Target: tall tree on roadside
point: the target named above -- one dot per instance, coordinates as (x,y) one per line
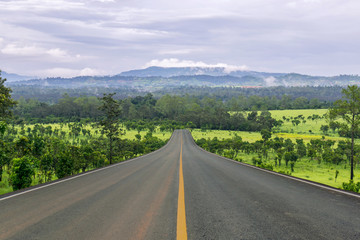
(348,109)
(6,103)
(110,124)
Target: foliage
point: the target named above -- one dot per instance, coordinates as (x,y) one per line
(351,186)
(348,109)
(21,172)
(110,124)
(6,102)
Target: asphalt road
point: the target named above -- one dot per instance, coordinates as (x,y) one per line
(140,199)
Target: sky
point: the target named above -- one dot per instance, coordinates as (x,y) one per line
(50,38)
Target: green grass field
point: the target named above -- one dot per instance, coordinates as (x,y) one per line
(310,170)
(303,127)
(95,131)
(304,168)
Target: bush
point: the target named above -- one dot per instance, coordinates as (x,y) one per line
(285,172)
(351,186)
(21,173)
(266,166)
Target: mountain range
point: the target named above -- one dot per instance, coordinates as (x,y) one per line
(153,78)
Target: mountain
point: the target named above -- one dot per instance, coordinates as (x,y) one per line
(190,71)
(155,78)
(12,77)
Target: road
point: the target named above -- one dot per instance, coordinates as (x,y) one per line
(176,192)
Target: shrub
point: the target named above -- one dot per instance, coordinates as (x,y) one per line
(21,173)
(351,186)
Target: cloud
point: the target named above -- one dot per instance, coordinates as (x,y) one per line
(174,62)
(14,49)
(178,51)
(307,36)
(104,1)
(68,72)
(20,50)
(270,81)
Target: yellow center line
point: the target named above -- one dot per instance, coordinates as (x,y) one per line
(181,233)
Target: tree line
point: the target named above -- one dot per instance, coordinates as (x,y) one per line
(205,113)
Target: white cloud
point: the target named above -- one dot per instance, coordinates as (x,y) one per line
(174,62)
(14,49)
(21,50)
(57,52)
(68,72)
(119,35)
(38,5)
(270,81)
(104,1)
(177,52)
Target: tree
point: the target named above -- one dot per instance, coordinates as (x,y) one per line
(291,157)
(6,103)
(265,134)
(324,129)
(21,173)
(300,148)
(110,124)
(348,109)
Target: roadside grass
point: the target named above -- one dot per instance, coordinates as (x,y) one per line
(225,134)
(304,168)
(310,169)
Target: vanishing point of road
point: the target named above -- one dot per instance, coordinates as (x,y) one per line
(180,192)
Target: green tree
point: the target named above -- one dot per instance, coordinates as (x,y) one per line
(110,124)
(300,148)
(291,157)
(21,173)
(6,103)
(46,166)
(265,134)
(348,109)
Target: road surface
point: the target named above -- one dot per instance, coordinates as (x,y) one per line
(179,192)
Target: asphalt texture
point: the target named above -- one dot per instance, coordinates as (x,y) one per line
(138,199)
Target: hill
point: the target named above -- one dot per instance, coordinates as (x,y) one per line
(155,78)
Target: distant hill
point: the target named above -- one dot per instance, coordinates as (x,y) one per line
(155,78)
(191,71)
(11,77)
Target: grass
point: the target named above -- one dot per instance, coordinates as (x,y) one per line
(304,168)
(303,127)
(224,134)
(94,131)
(310,170)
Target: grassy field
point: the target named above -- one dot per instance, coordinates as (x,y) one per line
(311,170)
(304,168)
(309,126)
(94,131)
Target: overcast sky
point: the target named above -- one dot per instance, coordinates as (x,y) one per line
(105,37)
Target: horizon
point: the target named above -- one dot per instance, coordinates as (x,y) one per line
(171,67)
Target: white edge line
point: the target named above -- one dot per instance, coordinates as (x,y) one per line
(83,174)
(283,175)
